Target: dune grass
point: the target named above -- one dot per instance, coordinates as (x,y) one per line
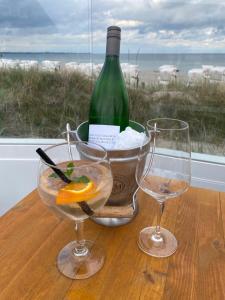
(39,104)
(202,106)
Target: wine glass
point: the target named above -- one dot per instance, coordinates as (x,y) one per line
(163,173)
(76,183)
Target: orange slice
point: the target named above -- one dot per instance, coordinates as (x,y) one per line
(76,192)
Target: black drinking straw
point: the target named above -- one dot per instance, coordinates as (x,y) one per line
(83,205)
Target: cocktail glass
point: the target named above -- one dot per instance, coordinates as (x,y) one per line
(76,184)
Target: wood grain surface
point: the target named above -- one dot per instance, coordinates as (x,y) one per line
(31,236)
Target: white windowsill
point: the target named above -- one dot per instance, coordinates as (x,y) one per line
(19,164)
(29,141)
(207,158)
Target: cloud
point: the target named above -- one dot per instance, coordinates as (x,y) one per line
(126,23)
(23,14)
(152,25)
(155,21)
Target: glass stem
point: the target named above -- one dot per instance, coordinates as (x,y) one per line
(80,248)
(157,233)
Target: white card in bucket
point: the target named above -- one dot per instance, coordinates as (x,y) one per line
(103,135)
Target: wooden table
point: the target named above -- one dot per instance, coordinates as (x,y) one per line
(31,237)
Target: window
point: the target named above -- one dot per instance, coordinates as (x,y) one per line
(51,51)
(43,44)
(174,65)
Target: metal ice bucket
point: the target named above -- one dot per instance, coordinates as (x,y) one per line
(123,165)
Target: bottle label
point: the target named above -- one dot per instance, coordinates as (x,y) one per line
(103,135)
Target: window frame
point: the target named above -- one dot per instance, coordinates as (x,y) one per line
(19,163)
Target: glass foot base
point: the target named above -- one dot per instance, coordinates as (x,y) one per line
(156,247)
(80,267)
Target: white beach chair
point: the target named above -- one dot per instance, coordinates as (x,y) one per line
(131,74)
(3,63)
(28,64)
(71,66)
(167,74)
(167,67)
(50,65)
(86,68)
(9,64)
(98,68)
(217,74)
(207,71)
(196,76)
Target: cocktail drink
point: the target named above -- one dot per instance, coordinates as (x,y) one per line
(94,187)
(76,187)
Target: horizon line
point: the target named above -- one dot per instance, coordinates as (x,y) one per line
(88,53)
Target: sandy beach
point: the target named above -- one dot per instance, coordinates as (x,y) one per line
(151,77)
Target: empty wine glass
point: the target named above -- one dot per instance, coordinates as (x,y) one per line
(164,173)
(76,183)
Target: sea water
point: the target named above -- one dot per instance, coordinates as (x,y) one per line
(145,61)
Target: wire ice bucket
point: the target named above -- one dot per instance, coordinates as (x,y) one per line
(123,165)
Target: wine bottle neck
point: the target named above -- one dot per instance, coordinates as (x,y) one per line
(113,46)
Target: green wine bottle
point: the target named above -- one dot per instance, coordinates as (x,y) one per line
(109,109)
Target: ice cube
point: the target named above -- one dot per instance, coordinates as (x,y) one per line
(129,138)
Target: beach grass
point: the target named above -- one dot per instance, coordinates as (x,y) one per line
(39,104)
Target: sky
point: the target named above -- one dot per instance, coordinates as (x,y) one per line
(148,26)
